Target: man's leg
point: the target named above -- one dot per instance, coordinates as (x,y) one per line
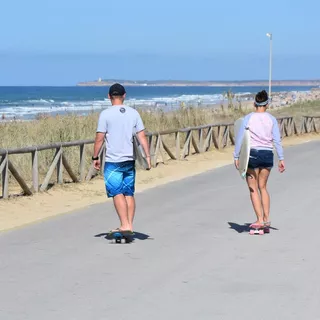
(131,205)
(129,176)
(121,206)
(113,177)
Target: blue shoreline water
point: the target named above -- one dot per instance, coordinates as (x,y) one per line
(28,102)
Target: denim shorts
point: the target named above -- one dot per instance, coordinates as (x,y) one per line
(260,159)
(119,178)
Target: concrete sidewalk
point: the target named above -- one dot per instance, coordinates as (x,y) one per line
(192,259)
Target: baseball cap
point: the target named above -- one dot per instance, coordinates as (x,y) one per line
(117,90)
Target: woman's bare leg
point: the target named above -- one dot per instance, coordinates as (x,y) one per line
(265,198)
(252,181)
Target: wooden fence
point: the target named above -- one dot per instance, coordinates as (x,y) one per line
(164,146)
(310,124)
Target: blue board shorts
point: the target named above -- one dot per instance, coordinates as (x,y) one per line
(119,178)
(260,159)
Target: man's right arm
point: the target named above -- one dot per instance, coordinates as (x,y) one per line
(99,139)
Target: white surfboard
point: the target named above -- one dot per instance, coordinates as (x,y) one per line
(245,148)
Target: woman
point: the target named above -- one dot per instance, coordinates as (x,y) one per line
(264,131)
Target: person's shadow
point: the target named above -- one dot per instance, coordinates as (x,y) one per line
(240,228)
(137,235)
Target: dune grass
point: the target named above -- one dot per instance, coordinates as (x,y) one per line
(299,109)
(71,127)
(46,130)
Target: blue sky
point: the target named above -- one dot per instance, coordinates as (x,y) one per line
(62,42)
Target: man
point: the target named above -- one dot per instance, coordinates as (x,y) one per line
(117,125)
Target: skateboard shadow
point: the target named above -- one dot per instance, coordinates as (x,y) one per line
(240,228)
(137,235)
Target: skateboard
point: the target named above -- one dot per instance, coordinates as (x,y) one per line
(256,229)
(267,227)
(121,236)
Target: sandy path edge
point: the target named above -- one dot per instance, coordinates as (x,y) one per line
(64,199)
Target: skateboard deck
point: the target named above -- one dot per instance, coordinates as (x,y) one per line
(259,230)
(267,228)
(121,236)
(255,229)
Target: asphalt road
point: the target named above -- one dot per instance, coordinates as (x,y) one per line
(192,259)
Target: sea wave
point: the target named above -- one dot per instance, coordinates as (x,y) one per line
(28,109)
(33,107)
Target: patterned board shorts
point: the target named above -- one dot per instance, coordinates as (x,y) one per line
(119,178)
(260,159)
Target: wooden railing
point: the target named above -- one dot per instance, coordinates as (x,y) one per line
(164,145)
(59,161)
(310,124)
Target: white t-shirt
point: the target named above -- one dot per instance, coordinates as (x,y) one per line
(119,122)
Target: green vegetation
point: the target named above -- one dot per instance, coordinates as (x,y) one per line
(46,130)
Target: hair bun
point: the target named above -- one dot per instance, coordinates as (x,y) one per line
(261,96)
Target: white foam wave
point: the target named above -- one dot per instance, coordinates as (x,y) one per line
(243,94)
(31,108)
(38,101)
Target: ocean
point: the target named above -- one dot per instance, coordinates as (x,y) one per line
(27,103)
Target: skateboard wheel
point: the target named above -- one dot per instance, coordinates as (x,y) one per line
(251,232)
(113,241)
(123,241)
(261,232)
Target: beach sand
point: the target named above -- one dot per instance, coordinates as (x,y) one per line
(64,199)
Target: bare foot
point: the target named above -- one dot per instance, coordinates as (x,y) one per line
(257,224)
(120,229)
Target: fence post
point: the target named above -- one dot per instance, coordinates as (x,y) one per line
(82,162)
(201,140)
(35,171)
(60,167)
(177,138)
(5,177)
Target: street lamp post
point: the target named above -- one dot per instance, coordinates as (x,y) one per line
(270,63)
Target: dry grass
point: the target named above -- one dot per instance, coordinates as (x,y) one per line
(300,108)
(71,127)
(74,127)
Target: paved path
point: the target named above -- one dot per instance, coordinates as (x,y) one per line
(193,260)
